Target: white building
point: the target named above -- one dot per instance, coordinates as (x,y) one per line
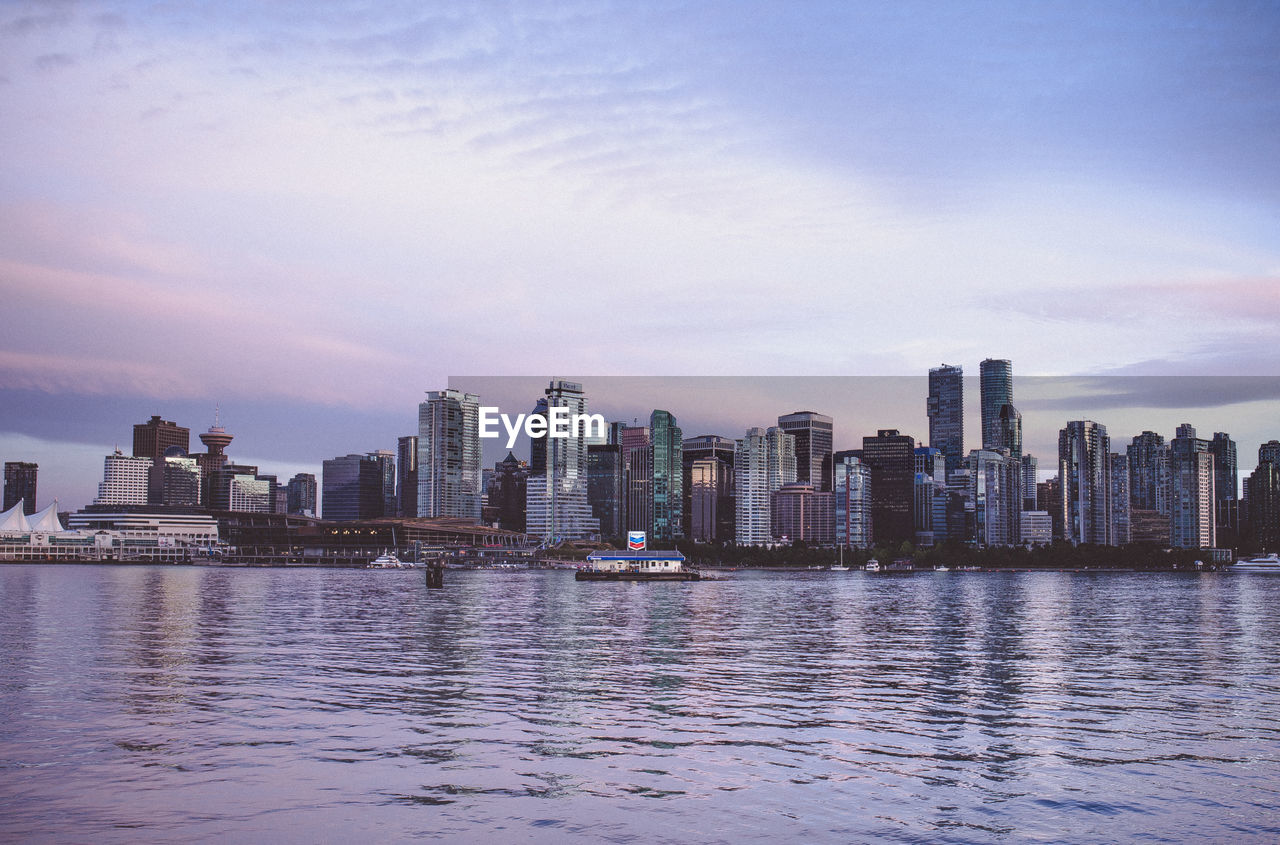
(449,455)
(1037,528)
(124,480)
(852,482)
(556,504)
(251,494)
(750,479)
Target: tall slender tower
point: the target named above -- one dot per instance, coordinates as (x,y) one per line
(449,455)
(1084,473)
(557,507)
(750,476)
(1191,497)
(996,381)
(813,433)
(946,415)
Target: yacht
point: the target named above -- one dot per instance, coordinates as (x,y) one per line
(873,565)
(386,561)
(1260,563)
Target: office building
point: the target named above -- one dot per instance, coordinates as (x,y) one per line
(1148,473)
(996,496)
(1121,529)
(1262,491)
(780,455)
(20,479)
(1036,528)
(407,476)
(125,480)
(996,385)
(507,492)
(449,455)
(812,432)
(182,483)
(154,439)
(852,481)
(945,408)
(386,460)
(1226,487)
(606,487)
(1008,435)
(1030,479)
(667,445)
(709,510)
(556,505)
(249,494)
(352,488)
(891,458)
(1084,473)
(753,519)
(803,514)
(301,494)
(1191,491)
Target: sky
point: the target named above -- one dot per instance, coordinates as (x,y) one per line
(307,215)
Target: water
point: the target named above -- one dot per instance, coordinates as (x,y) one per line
(174,703)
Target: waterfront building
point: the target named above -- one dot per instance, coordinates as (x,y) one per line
(803,514)
(556,505)
(352,488)
(125,480)
(449,455)
(924,491)
(891,458)
(1084,472)
(182,484)
(606,487)
(1030,480)
(996,496)
(996,385)
(667,443)
(407,476)
(852,481)
(1048,498)
(813,434)
(154,439)
(249,494)
(1226,488)
(1121,529)
(1008,434)
(507,492)
(1149,473)
(1262,491)
(20,478)
(1036,528)
(781,463)
(386,460)
(163,531)
(709,509)
(959,507)
(945,408)
(301,494)
(1191,491)
(750,478)
(1148,526)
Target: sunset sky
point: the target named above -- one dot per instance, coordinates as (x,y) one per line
(310,214)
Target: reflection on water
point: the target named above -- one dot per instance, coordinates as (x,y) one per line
(167,703)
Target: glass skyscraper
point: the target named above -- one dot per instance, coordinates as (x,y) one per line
(996,382)
(946,414)
(812,432)
(449,455)
(1084,473)
(556,497)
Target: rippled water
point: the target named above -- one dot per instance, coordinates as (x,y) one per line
(165,703)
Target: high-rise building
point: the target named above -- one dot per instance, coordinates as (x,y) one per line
(996,383)
(125,480)
(1269,452)
(891,458)
(407,476)
(931,462)
(301,494)
(20,485)
(1030,479)
(709,511)
(1149,473)
(668,476)
(946,415)
(1121,526)
(556,506)
(812,432)
(1036,528)
(449,455)
(153,439)
(996,495)
(250,494)
(508,493)
(1226,488)
(182,480)
(1262,490)
(803,514)
(751,488)
(1191,491)
(386,460)
(352,487)
(780,459)
(212,462)
(1009,431)
(852,480)
(606,487)
(1084,473)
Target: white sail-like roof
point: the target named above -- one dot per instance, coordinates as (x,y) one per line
(14,521)
(46,521)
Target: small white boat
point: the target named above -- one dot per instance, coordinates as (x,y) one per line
(1260,563)
(873,565)
(386,561)
(942,568)
(836,567)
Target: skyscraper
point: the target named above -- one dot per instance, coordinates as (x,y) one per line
(852,480)
(556,499)
(891,458)
(124,480)
(1191,491)
(301,494)
(812,432)
(353,487)
(751,487)
(803,514)
(1084,473)
(153,439)
(20,485)
(182,480)
(606,487)
(946,414)
(1262,489)
(1121,527)
(667,443)
(1149,473)
(996,495)
(407,476)
(708,488)
(996,383)
(1226,486)
(386,460)
(1008,431)
(449,455)
(780,459)
(508,493)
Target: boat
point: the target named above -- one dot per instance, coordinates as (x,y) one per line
(839,566)
(612,565)
(386,560)
(1258,563)
(873,565)
(942,567)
